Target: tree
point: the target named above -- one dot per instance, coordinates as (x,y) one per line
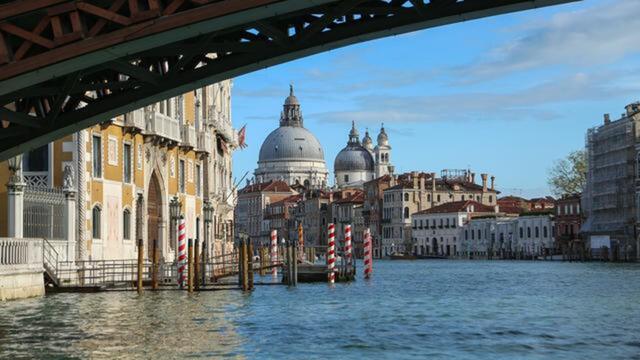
(568,176)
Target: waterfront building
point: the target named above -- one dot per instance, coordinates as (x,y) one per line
(568,220)
(252,202)
(314,213)
(436,231)
(346,209)
(611,199)
(92,194)
(525,236)
(291,153)
(372,209)
(411,194)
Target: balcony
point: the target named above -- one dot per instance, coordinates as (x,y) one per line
(164,126)
(205,142)
(188,135)
(136,120)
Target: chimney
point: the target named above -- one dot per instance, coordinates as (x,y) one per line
(433,181)
(607,119)
(493,182)
(421,182)
(393,181)
(484,182)
(473,178)
(415,181)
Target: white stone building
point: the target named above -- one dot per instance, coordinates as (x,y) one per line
(508,237)
(292,153)
(436,231)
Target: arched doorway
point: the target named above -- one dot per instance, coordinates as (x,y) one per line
(434,246)
(154,214)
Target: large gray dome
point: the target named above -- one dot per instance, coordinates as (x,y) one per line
(353,158)
(291,143)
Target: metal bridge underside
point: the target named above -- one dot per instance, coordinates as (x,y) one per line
(68,65)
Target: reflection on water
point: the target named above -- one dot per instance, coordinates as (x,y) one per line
(435,309)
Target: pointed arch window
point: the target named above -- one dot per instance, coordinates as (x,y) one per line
(96,217)
(126,224)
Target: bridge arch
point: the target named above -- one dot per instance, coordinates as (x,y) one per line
(113,57)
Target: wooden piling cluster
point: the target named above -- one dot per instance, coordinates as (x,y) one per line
(291,264)
(245,265)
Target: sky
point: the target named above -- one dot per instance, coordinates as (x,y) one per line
(506,95)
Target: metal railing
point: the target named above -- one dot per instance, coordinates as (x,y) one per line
(44,213)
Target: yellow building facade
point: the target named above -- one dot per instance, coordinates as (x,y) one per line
(121,176)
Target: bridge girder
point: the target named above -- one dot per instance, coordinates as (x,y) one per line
(117,56)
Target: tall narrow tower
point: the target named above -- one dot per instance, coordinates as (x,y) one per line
(382,154)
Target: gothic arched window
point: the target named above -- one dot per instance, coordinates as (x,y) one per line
(96,215)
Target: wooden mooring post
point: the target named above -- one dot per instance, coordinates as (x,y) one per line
(140,265)
(155,266)
(196,264)
(250,264)
(190,265)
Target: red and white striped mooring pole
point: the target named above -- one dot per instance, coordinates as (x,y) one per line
(274,252)
(368,254)
(182,251)
(331,254)
(347,245)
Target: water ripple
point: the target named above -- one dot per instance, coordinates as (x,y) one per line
(409,310)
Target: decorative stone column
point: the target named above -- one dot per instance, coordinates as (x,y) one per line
(15,198)
(70,210)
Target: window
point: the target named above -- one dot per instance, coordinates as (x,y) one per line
(428,197)
(406,196)
(95,217)
(97,156)
(479,234)
(406,212)
(473,234)
(126,162)
(490,198)
(438,198)
(545,232)
(537,232)
(521,232)
(198,180)
(529,231)
(36,160)
(126,224)
(181,176)
(462,197)
(346,178)
(447,222)
(466,234)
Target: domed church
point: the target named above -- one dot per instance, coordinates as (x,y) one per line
(292,153)
(359,162)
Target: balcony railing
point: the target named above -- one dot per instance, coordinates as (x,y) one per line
(165,126)
(188,133)
(205,142)
(136,119)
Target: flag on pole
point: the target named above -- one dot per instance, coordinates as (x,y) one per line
(242,136)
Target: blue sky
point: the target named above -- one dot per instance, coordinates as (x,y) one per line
(506,95)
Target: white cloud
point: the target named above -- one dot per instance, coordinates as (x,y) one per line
(535,102)
(597,35)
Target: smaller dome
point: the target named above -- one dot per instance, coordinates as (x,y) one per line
(353,158)
(367,143)
(291,99)
(383,139)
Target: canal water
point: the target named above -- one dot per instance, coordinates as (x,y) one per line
(409,310)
